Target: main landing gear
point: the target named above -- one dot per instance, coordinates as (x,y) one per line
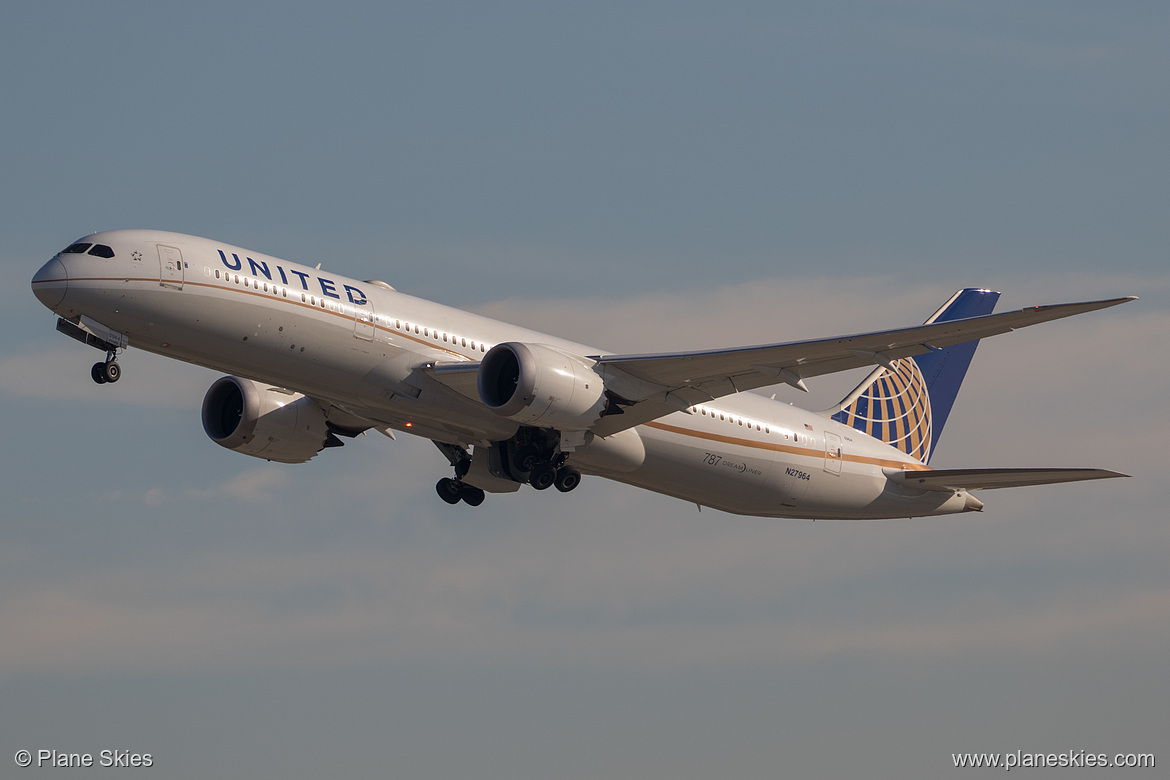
(453,491)
(531,465)
(546,475)
(533,457)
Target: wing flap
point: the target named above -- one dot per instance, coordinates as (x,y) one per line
(949,480)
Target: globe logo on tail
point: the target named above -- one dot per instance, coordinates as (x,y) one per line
(895,408)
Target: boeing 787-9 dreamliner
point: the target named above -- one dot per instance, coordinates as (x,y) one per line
(315,358)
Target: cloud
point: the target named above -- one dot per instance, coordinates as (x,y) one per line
(61,373)
(695,603)
(1013,50)
(254,486)
(353,559)
(756,312)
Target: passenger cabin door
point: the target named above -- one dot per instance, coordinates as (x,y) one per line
(363,321)
(832,453)
(170,262)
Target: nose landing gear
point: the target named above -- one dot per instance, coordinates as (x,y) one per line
(93,334)
(109,371)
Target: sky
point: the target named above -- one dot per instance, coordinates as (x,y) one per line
(637,176)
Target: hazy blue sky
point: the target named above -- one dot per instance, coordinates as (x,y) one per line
(636,175)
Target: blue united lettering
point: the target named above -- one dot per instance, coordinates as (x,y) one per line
(351,292)
(261,268)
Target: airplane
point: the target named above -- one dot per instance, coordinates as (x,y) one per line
(314,358)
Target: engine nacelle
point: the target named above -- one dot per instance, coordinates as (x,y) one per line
(542,386)
(263,421)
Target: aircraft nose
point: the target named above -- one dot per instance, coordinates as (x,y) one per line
(50,283)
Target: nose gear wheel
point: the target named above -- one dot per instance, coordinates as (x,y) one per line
(106,372)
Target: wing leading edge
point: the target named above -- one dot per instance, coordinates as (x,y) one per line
(652,386)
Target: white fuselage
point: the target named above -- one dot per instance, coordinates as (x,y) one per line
(359,346)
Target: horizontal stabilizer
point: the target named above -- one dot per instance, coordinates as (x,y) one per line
(985,479)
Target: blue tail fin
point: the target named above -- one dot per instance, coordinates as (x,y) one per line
(909,406)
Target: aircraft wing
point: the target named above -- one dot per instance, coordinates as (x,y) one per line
(949,480)
(459,376)
(651,386)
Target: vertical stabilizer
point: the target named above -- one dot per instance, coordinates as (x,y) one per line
(908,406)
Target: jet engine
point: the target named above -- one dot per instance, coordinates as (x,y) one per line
(538,385)
(263,421)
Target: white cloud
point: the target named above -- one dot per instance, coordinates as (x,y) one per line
(670,602)
(61,372)
(610,574)
(255,485)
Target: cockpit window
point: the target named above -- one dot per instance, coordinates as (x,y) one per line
(101,250)
(76,249)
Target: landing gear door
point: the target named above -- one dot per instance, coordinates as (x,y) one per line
(170,262)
